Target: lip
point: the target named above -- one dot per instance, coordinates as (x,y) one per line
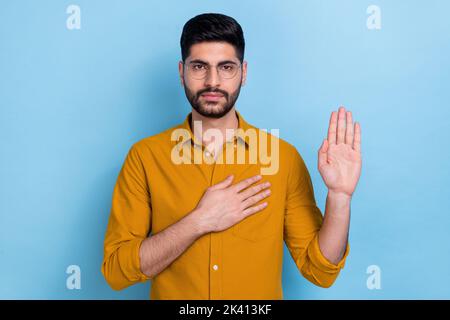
(212,96)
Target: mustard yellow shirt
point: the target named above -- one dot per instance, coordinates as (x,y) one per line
(153,192)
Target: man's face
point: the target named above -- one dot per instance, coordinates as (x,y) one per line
(211,88)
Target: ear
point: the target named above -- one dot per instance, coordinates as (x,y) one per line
(244,72)
(181,72)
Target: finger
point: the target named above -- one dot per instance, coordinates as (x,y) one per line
(247,182)
(256,198)
(357,139)
(349,129)
(341,126)
(323,153)
(247,193)
(332,128)
(223,184)
(254,209)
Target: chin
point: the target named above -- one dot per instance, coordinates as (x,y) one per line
(213,107)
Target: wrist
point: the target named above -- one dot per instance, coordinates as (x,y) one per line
(339,196)
(197,222)
(338,201)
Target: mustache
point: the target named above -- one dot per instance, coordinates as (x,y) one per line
(199,93)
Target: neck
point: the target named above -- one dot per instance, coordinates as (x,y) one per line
(228,121)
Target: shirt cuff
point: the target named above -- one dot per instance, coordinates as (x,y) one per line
(133,261)
(321,261)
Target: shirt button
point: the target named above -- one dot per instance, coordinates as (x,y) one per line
(215,267)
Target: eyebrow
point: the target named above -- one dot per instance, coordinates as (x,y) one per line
(219,64)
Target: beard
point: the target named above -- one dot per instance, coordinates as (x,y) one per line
(212,109)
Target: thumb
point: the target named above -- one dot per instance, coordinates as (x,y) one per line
(225,183)
(323,153)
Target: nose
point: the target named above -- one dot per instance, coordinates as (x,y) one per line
(212,78)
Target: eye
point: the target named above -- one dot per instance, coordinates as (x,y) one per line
(197,66)
(228,67)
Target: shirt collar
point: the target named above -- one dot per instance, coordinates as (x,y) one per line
(238,134)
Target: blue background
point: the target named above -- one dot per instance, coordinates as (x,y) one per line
(72,102)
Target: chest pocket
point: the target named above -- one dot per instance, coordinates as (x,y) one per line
(260,225)
(267,222)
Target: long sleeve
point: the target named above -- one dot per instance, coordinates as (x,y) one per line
(303,220)
(129,224)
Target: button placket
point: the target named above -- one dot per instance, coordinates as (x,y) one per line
(215,280)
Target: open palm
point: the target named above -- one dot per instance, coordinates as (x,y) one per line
(339,161)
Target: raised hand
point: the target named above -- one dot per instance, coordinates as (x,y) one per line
(339,161)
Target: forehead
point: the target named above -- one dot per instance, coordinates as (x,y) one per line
(213,52)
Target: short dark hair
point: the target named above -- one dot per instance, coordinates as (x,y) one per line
(212,27)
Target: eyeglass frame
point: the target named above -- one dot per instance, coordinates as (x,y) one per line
(239,67)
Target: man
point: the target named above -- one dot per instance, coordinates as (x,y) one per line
(214,229)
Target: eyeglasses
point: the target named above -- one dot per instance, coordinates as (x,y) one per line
(199,70)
